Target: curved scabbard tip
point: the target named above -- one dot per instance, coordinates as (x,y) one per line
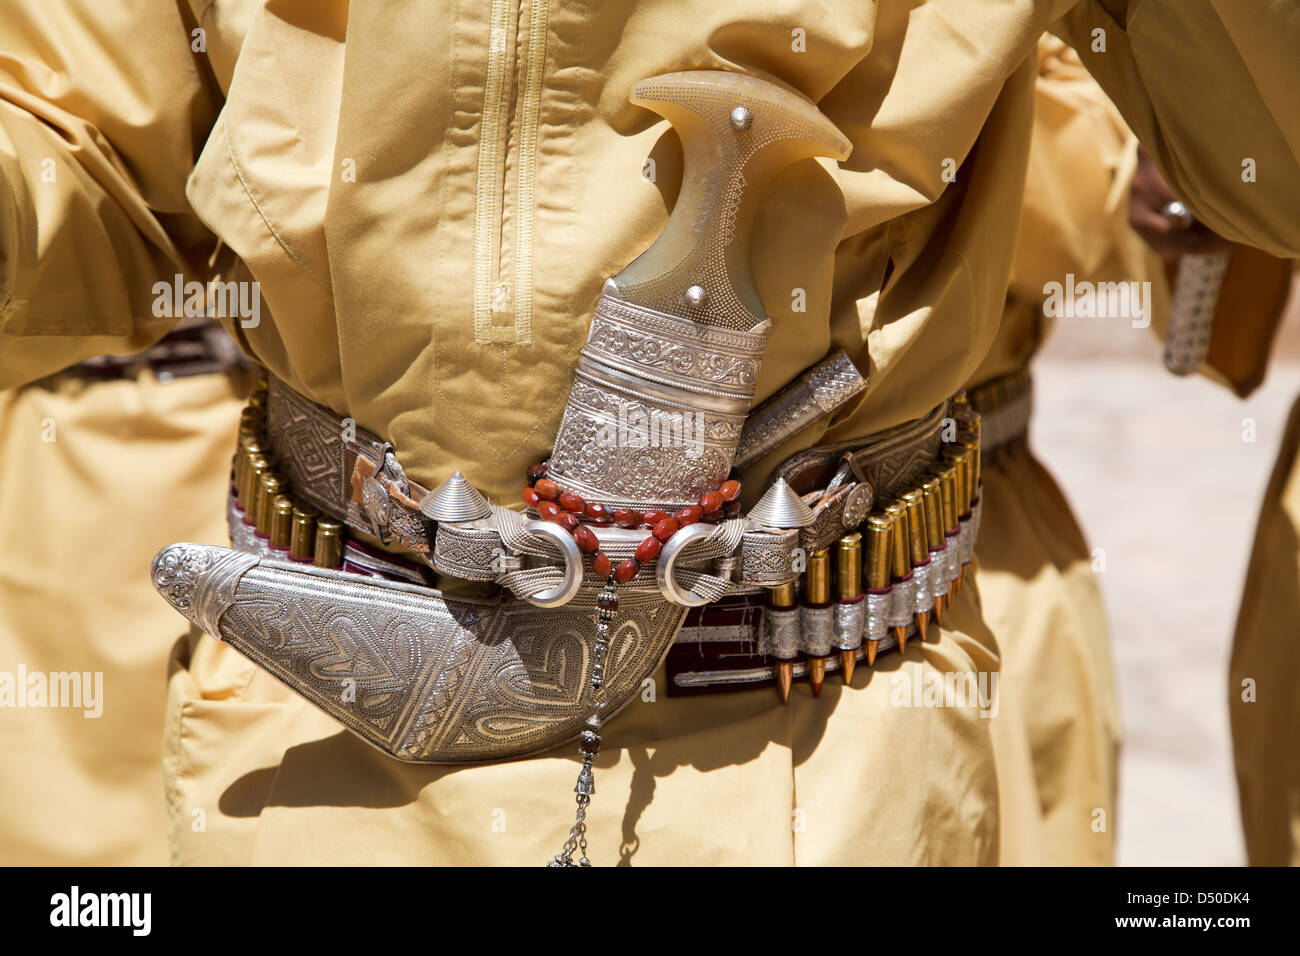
(199,580)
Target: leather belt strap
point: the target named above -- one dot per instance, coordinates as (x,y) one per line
(1005,405)
(200,348)
(353,475)
(344,470)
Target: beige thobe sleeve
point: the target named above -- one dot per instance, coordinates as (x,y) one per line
(1209,87)
(103,109)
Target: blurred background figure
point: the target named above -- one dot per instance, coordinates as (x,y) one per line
(1097,210)
(1167,474)
(100,465)
(1037,583)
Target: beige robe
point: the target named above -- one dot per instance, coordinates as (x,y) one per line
(94,477)
(431,195)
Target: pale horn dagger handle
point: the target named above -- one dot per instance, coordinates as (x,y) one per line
(668,372)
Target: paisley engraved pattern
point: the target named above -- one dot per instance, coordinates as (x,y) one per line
(642,370)
(586,461)
(176,572)
(199,581)
(428,679)
(857,505)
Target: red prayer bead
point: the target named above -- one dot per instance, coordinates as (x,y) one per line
(599,514)
(531,497)
(626,570)
(710,502)
(548,510)
(689,515)
(547,489)
(731,508)
(571,502)
(586,538)
(536,471)
(627,519)
(567,521)
(600,563)
(652,518)
(648,549)
(666,528)
(730,490)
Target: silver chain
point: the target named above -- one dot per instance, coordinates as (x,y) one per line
(589,740)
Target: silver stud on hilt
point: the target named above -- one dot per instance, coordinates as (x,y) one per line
(741,119)
(696,296)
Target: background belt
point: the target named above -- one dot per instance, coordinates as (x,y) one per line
(199,348)
(1005,405)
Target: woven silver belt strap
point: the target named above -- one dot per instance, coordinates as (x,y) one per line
(353,475)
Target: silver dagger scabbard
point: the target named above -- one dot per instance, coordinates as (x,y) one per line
(657,406)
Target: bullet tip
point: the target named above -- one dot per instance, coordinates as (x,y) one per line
(784,678)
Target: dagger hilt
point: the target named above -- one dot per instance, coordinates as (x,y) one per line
(737,133)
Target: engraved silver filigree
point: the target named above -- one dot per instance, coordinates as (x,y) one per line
(424,677)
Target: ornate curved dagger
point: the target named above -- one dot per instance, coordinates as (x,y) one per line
(678,334)
(681,330)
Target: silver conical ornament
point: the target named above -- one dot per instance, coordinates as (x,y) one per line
(455,500)
(780,507)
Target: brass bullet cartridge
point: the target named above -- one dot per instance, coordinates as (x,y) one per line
(269,486)
(281,522)
(886,555)
(781,600)
(257,466)
(329,544)
(848,577)
(302,539)
(817,595)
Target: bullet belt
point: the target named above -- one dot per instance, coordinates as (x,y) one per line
(745,641)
